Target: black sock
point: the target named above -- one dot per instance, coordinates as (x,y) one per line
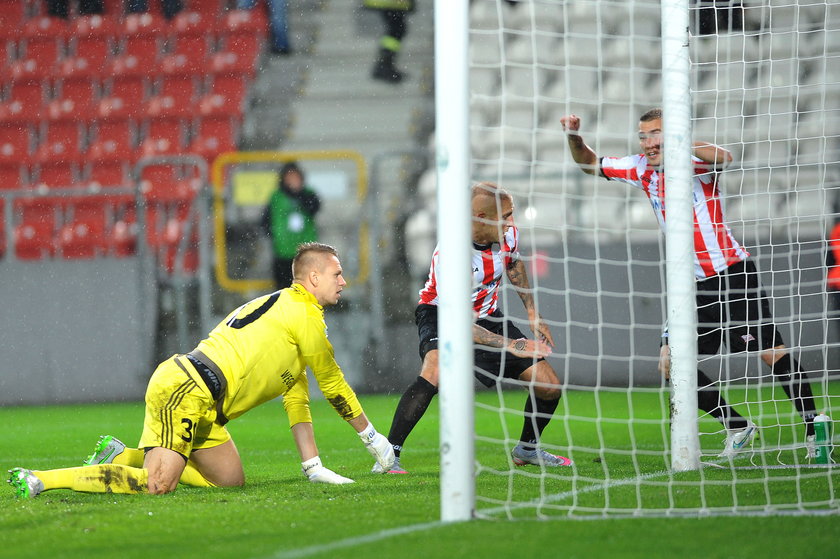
(534,424)
(711,401)
(413,404)
(798,389)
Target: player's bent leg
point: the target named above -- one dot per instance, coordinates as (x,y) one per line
(103,478)
(538,412)
(164,468)
(220,465)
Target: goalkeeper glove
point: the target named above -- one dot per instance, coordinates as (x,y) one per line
(317,473)
(379,447)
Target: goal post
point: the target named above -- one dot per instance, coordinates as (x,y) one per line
(457,485)
(679,236)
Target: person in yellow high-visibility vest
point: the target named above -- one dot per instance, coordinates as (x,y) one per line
(394,14)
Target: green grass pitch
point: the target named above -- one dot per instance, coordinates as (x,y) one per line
(279,514)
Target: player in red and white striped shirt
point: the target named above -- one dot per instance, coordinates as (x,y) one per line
(732,308)
(501,350)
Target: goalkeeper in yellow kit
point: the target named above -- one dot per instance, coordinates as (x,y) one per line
(260,351)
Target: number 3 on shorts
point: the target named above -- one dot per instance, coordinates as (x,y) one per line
(188,427)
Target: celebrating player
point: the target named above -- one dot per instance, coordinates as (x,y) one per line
(260,351)
(495,252)
(732,307)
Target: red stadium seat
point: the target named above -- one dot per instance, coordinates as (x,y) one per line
(193,23)
(107,173)
(56,174)
(13,175)
(246,22)
(75,100)
(34,233)
(188,56)
(83,238)
(123,98)
(34,241)
(25,102)
(112,140)
(230,63)
(61,140)
(162,136)
(208,8)
(177,97)
(214,136)
(163,184)
(12,17)
(90,58)
(15,143)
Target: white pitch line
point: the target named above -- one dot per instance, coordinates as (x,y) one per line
(485,514)
(350,542)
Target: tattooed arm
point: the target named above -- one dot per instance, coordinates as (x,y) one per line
(521,348)
(518,277)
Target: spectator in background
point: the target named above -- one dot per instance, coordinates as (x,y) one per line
(278,25)
(170,7)
(394,14)
(61,8)
(289,220)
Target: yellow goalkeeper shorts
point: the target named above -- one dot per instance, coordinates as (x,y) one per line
(180,412)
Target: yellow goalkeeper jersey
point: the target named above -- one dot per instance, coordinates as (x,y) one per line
(263,349)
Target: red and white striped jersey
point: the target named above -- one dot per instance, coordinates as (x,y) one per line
(715,248)
(488,266)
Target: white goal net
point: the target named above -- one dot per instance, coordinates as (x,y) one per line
(765,85)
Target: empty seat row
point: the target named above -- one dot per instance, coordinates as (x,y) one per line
(65,156)
(80,99)
(96,227)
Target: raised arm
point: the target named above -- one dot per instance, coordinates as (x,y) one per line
(717,157)
(518,277)
(584,156)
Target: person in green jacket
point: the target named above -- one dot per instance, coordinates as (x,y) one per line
(289,220)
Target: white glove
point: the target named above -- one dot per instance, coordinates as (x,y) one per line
(317,473)
(379,447)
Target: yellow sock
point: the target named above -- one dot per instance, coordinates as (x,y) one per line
(130,457)
(103,478)
(192,476)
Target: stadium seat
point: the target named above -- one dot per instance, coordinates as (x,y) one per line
(123,97)
(75,100)
(112,139)
(60,140)
(164,185)
(244,22)
(161,136)
(232,63)
(213,136)
(106,173)
(24,103)
(34,233)
(56,174)
(82,238)
(13,175)
(15,143)
(176,97)
(189,55)
(212,9)
(232,86)
(34,241)
(194,23)
(12,17)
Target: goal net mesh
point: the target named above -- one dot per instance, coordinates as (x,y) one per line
(765,84)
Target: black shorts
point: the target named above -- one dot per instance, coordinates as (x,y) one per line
(490,364)
(732,309)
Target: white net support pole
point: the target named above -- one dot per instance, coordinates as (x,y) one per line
(457,455)
(679,238)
